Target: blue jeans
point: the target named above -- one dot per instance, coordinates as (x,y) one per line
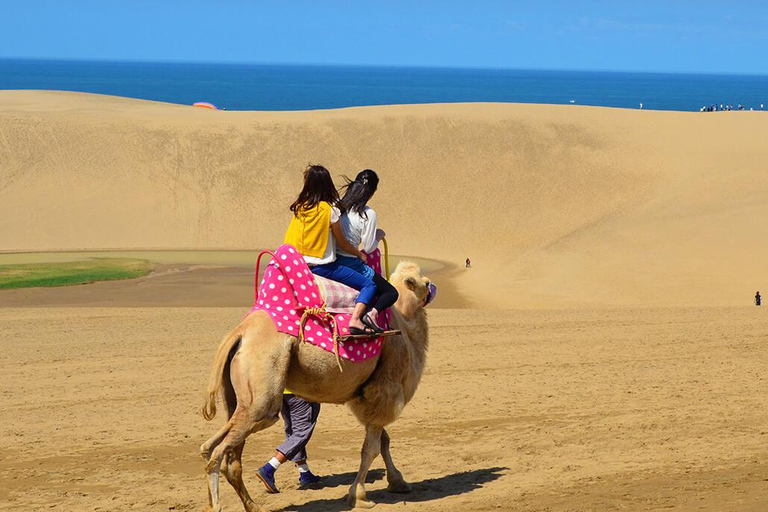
(357,265)
(345,275)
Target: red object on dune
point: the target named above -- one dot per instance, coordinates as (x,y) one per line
(205,104)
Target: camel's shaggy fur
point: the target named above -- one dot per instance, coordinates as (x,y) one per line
(255,362)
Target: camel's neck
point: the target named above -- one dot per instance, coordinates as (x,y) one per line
(416,331)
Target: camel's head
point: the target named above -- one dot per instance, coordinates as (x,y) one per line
(416,291)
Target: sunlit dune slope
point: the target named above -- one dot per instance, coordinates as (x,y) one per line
(557,206)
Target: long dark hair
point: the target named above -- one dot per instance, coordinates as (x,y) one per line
(318,186)
(359,191)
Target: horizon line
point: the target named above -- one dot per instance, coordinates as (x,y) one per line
(376,66)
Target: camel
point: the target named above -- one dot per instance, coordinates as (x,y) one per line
(255,362)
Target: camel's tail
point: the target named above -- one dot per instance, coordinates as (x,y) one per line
(224,354)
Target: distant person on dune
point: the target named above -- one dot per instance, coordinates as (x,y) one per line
(467,264)
(758,298)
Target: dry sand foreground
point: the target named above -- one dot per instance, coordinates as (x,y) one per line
(602,355)
(632,409)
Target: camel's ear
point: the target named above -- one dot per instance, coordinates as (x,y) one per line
(410,283)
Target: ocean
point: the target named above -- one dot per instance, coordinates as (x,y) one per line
(306,87)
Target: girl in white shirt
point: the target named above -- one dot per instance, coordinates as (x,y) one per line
(360,227)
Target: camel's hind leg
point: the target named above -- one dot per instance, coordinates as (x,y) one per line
(394,476)
(205,452)
(371,448)
(233,470)
(257,375)
(245,421)
(213,442)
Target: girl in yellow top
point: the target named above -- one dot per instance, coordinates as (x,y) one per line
(315,230)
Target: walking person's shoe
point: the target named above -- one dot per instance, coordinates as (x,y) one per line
(266,474)
(307,479)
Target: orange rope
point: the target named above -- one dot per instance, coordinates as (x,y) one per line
(324,317)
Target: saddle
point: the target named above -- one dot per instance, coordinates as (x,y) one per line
(312,308)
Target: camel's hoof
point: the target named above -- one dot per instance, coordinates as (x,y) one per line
(401,487)
(212,509)
(358,503)
(253,507)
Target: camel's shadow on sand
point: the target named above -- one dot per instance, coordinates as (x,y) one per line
(426,490)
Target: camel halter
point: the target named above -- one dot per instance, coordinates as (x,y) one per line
(320,312)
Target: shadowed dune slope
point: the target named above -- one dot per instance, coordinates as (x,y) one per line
(558,206)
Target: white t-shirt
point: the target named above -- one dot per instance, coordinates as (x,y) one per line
(359,231)
(329,256)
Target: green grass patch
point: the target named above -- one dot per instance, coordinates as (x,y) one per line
(72,273)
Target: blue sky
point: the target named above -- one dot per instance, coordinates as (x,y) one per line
(650,35)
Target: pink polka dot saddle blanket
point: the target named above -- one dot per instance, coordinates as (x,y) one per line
(310,307)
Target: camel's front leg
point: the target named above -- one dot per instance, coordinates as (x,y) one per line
(371,448)
(394,477)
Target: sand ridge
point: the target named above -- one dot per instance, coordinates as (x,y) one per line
(558,206)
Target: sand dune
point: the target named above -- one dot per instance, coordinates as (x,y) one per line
(564,404)
(558,206)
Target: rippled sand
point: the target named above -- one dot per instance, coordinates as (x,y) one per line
(628,409)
